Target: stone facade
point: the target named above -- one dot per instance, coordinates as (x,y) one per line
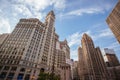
(91,65)
(113,20)
(3,38)
(63,54)
(29,48)
(112,59)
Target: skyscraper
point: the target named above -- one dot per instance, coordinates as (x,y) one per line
(113,65)
(75,70)
(112,59)
(63,54)
(3,37)
(28,49)
(91,64)
(113,20)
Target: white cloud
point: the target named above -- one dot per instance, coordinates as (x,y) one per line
(82,11)
(38,4)
(25,8)
(95,7)
(0,10)
(34,8)
(75,38)
(59,4)
(42,4)
(102,33)
(4,26)
(38,15)
(105,33)
(22,9)
(114,46)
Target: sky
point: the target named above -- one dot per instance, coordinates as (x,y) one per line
(73,18)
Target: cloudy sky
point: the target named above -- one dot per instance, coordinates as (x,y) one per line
(73,18)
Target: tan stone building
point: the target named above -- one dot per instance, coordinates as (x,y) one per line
(113,20)
(75,70)
(20,52)
(3,38)
(66,72)
(29,48)
(114,72)
(63,54)
(112,59)
(113,65)
(91,65)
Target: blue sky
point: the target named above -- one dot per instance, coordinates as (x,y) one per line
(73,18)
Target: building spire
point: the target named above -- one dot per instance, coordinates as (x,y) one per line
(86,36)
(65,41)
(87,39)
(51,13)
(50,18)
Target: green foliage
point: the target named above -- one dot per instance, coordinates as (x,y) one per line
(46,76)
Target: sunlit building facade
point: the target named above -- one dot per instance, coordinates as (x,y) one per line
(113,20)
(111,57)
(113,65)
(91,65)
(63,54)
(30,47)
(3,38)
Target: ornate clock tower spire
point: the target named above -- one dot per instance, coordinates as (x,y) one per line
(50,18)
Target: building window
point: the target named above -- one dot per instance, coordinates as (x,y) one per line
(22,69)
(20,77)
(10,76)
(6,68)
(1,67)
(13,68)
(27,76)
(3,75)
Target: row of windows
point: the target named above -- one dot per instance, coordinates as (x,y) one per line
(9,61)
(8,67)
(11,73)
(30,64)
(33,47)
(11,51)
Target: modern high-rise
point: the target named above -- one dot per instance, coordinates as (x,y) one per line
(112,59)
(91,65)
(28,49)
(113,20)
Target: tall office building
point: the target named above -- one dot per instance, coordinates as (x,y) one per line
(30,47)
(113,20)
(75,70)
(3,37)
(113,65)
(81,68)
(91,64)
(112,59)
(63,54)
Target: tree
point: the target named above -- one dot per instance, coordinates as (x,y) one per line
(46,76)
(43,76)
